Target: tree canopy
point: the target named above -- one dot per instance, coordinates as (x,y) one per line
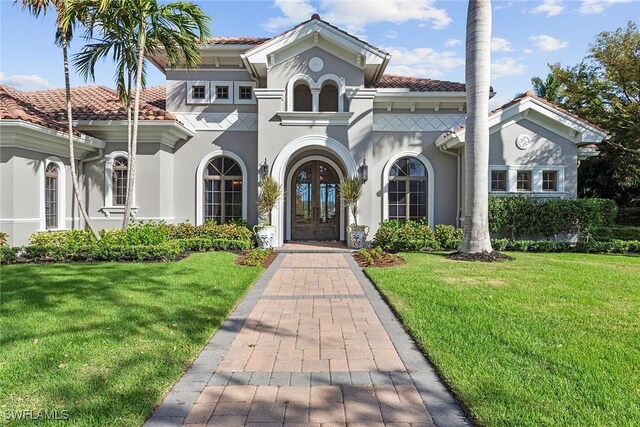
(604,88)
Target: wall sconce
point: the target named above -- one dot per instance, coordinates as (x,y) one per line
(363,171)
(263,169)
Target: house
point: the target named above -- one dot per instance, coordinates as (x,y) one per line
(308,107)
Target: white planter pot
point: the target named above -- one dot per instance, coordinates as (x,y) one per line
(265,235)
(358,235)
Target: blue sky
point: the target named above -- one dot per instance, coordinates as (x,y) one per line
(425,37)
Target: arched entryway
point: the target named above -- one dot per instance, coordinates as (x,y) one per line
(315,208)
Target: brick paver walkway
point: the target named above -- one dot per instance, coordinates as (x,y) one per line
(312,344)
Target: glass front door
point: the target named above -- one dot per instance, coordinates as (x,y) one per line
(316,207)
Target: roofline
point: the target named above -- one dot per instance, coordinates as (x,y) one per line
(83,142)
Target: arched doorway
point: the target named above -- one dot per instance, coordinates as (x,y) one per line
(316,202)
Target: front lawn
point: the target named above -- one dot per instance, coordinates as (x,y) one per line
(547,339)
(105,341)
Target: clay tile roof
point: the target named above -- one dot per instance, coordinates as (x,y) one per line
(530,94)
(48,107)
(238,40)
(415,84)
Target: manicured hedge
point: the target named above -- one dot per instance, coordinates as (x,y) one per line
(103,252)
(615,233)
(201,244)
(392,236)
(591,246)
(517,216)
(628,216)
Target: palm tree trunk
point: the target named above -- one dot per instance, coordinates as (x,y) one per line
(134,136)
(72,160)
(476,237)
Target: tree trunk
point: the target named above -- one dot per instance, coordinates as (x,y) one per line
(134,137)
(72,159)
(476,237)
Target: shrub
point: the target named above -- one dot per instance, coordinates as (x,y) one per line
(592,246)
(103,252)
(256,257)
(8,254)
(448,236)
(410,236)
(628,216)
(211,230)
(615,233)
(200,244)
(138,234)
(61,238)
(3,239)
(517,216)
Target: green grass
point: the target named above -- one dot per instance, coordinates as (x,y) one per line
(547,339)
(106,341)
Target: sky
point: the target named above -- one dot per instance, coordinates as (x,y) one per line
(424,37)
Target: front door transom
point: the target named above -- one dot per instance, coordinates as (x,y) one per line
(316,204)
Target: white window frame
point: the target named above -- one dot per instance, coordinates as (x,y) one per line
(200,182)
(62,193)
(214,92)
(315,88)
(207,95)
(506,179)
(109,208)
(430,184)
(536,179)
(236,92)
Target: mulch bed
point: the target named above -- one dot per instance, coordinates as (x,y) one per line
(483,256)
(389,260)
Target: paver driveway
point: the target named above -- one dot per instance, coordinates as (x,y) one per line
(312,344)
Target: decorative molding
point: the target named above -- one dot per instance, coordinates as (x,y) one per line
(269,93)
(314,118)
(220,121)
(416,122)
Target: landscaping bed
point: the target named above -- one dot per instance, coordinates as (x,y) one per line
(547,339)
(376,257)
(257,257)
(105,341)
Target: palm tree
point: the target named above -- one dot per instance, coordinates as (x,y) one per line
(548,88)
(477,75)
(65,22)
(147,27)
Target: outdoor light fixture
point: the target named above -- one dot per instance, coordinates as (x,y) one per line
(264,169)
(363,170)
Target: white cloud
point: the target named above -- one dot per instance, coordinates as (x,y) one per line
(391,35)
(548,43)
(550,7)
(527,51)
(506,67)
(355,15)
(421,62)
(499,44)
(452,43)
(26,81)
(598,6)
(294,12)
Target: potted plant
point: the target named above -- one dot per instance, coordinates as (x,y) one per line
(270,192)
(350,193)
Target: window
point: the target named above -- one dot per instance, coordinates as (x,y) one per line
(222,190)
(302,100)
(222,92)
(329,97)
(408,190)
(498,180)
(245,92)
(198,92)
(51,179)
(119,181)
(549,180)
(523,181)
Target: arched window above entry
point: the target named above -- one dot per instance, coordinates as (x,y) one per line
(302,99)
(329,96)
